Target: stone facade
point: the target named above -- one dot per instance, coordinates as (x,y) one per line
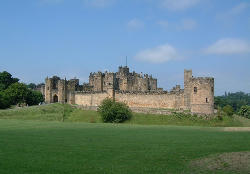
(137,90)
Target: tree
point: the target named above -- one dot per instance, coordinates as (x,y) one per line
(114,112)
(228,110)
(18,93)
(4,100)
(34,97)
(6,80)
(245,111)
(31,86)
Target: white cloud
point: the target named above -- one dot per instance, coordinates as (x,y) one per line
(240,8)
(185,24)
(235,11)
(176,5)
(135,24)
(228,46)
(99,3)
(159,54)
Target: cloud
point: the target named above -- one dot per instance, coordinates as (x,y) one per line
(177,5)
(135,24)
(185,24)
(228,46)
(159,54)
(233,12)
(239,8)
(99,3)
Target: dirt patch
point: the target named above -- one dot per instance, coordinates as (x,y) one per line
(232,129)
(235,162)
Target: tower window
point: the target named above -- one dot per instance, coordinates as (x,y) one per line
(206,100)
(195,89)
(48,88)
(212,89)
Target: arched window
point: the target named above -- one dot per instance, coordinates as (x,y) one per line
(206,100)
(195,89)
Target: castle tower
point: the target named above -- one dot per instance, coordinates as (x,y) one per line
(187,88)
(48,90)
(202,95)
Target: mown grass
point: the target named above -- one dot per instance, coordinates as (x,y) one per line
(51,147)
(66,113)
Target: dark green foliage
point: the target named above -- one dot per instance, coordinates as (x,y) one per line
(245,111)
(228,110)
(18,93)
(12,92)
(34,97)
(4,100)
(114,112)
(236,100)
(31,86)
(6,80)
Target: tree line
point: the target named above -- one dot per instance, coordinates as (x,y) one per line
(234,103)
(13,92)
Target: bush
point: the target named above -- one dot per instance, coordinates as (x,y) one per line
(114,112)
(245,111)
(228,110)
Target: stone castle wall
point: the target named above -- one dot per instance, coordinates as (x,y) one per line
(134,90)
(136,100)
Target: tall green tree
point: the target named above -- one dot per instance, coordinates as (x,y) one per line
(6,80)
(18,93)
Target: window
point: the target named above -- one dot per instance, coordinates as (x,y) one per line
(212,89)
(195,89)
(206,100)
(48,88)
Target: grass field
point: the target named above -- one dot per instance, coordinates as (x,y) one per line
(55,147)
(58,112)
(34,140)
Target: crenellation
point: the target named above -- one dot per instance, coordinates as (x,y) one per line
(135,89)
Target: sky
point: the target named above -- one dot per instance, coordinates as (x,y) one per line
(71,38)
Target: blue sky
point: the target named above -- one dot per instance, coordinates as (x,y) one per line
(40,38)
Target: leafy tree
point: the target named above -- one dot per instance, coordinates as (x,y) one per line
(31,86)
(114,112)
(18,93)
(236,100)
(228,110)
(4,100)
(245,111)
(34,97)
(6,80)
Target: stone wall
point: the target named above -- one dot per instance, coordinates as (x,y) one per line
(137,100)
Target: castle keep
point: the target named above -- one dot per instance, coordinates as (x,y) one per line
(137,90)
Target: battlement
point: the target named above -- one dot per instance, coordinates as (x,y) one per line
(135,89)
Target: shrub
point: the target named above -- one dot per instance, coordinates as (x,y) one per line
(228,110)
(114,112)
(245,111)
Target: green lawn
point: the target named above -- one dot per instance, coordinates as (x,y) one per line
(34,140)
(34,147)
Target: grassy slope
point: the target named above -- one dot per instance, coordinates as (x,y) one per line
(55,112)
(54,147)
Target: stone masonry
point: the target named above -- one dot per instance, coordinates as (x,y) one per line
(136,90)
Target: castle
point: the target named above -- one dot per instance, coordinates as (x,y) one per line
(137,90)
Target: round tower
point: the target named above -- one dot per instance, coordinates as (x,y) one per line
(202,95)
